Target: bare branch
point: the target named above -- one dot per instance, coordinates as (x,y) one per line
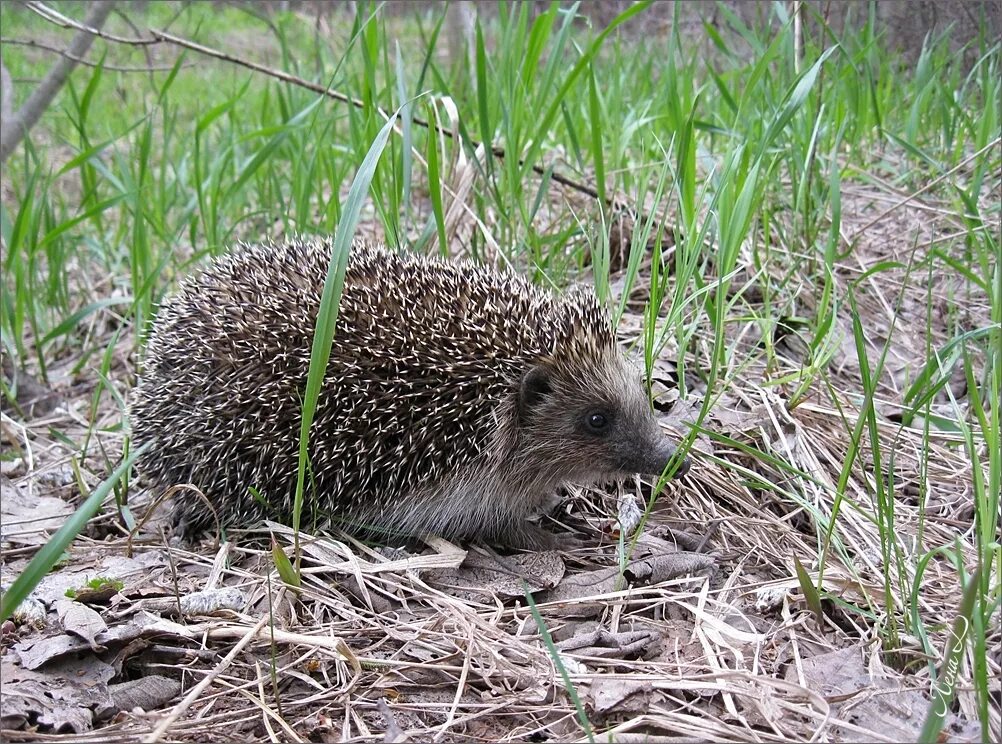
(86,62)
(498,151)
(54,16)
(6,94)
(14,128)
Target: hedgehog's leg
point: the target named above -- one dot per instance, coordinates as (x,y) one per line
(190,516)
(526,535)
(523,535)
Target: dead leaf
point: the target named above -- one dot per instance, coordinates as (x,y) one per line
(151,692)
(35,652)
(621,696)
(29,519)
(875,703)
(735,416)
(662,539)
(488,574)
(605,644)
(660,568)
(680,419)
(66,696)
(80,620)
(585,584)
(643,571)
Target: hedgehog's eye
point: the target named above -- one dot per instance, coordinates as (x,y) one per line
(597,421)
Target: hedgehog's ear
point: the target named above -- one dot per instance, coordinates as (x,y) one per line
(535,385)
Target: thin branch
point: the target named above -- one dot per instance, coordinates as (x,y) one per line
(897,205)
(85,62)
(6,94)
(94,29)
(163,36)
(498,151)
(145,48)
(14,128)
(270,71)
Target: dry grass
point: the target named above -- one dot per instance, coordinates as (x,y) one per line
(722,657)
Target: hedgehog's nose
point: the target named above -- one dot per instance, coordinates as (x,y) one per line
(683,467)
(670,453)
(651,457)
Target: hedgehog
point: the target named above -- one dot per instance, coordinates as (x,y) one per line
(457,398)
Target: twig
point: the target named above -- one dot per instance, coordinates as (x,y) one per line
(80,60)
(16,127)
(270,71)
(497,150)
(144,47)
(990,146)
(159,36)
(197,690)
(88,26)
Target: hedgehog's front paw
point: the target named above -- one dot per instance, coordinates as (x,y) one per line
(531,536)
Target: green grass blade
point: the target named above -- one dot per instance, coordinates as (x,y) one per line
(554,652)
(323,336)
(53,550)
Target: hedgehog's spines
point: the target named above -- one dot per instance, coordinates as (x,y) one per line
(416,426)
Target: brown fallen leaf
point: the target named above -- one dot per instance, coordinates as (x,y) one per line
(620,696)
(644,571)
(660,568)
(483,575)
(850,678)
(26,518)
(81,621)
(151,692)
(67,695)
(34,652)
(604,644)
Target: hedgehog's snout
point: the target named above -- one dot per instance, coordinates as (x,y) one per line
(682,468)
(653,458)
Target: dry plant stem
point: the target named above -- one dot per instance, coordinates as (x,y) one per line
(54,16)
(14,128)
(85,62)
(336,645)
(459,690)
(198,689)
(267,714)
(987,148)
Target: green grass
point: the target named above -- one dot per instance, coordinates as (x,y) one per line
(130,179)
